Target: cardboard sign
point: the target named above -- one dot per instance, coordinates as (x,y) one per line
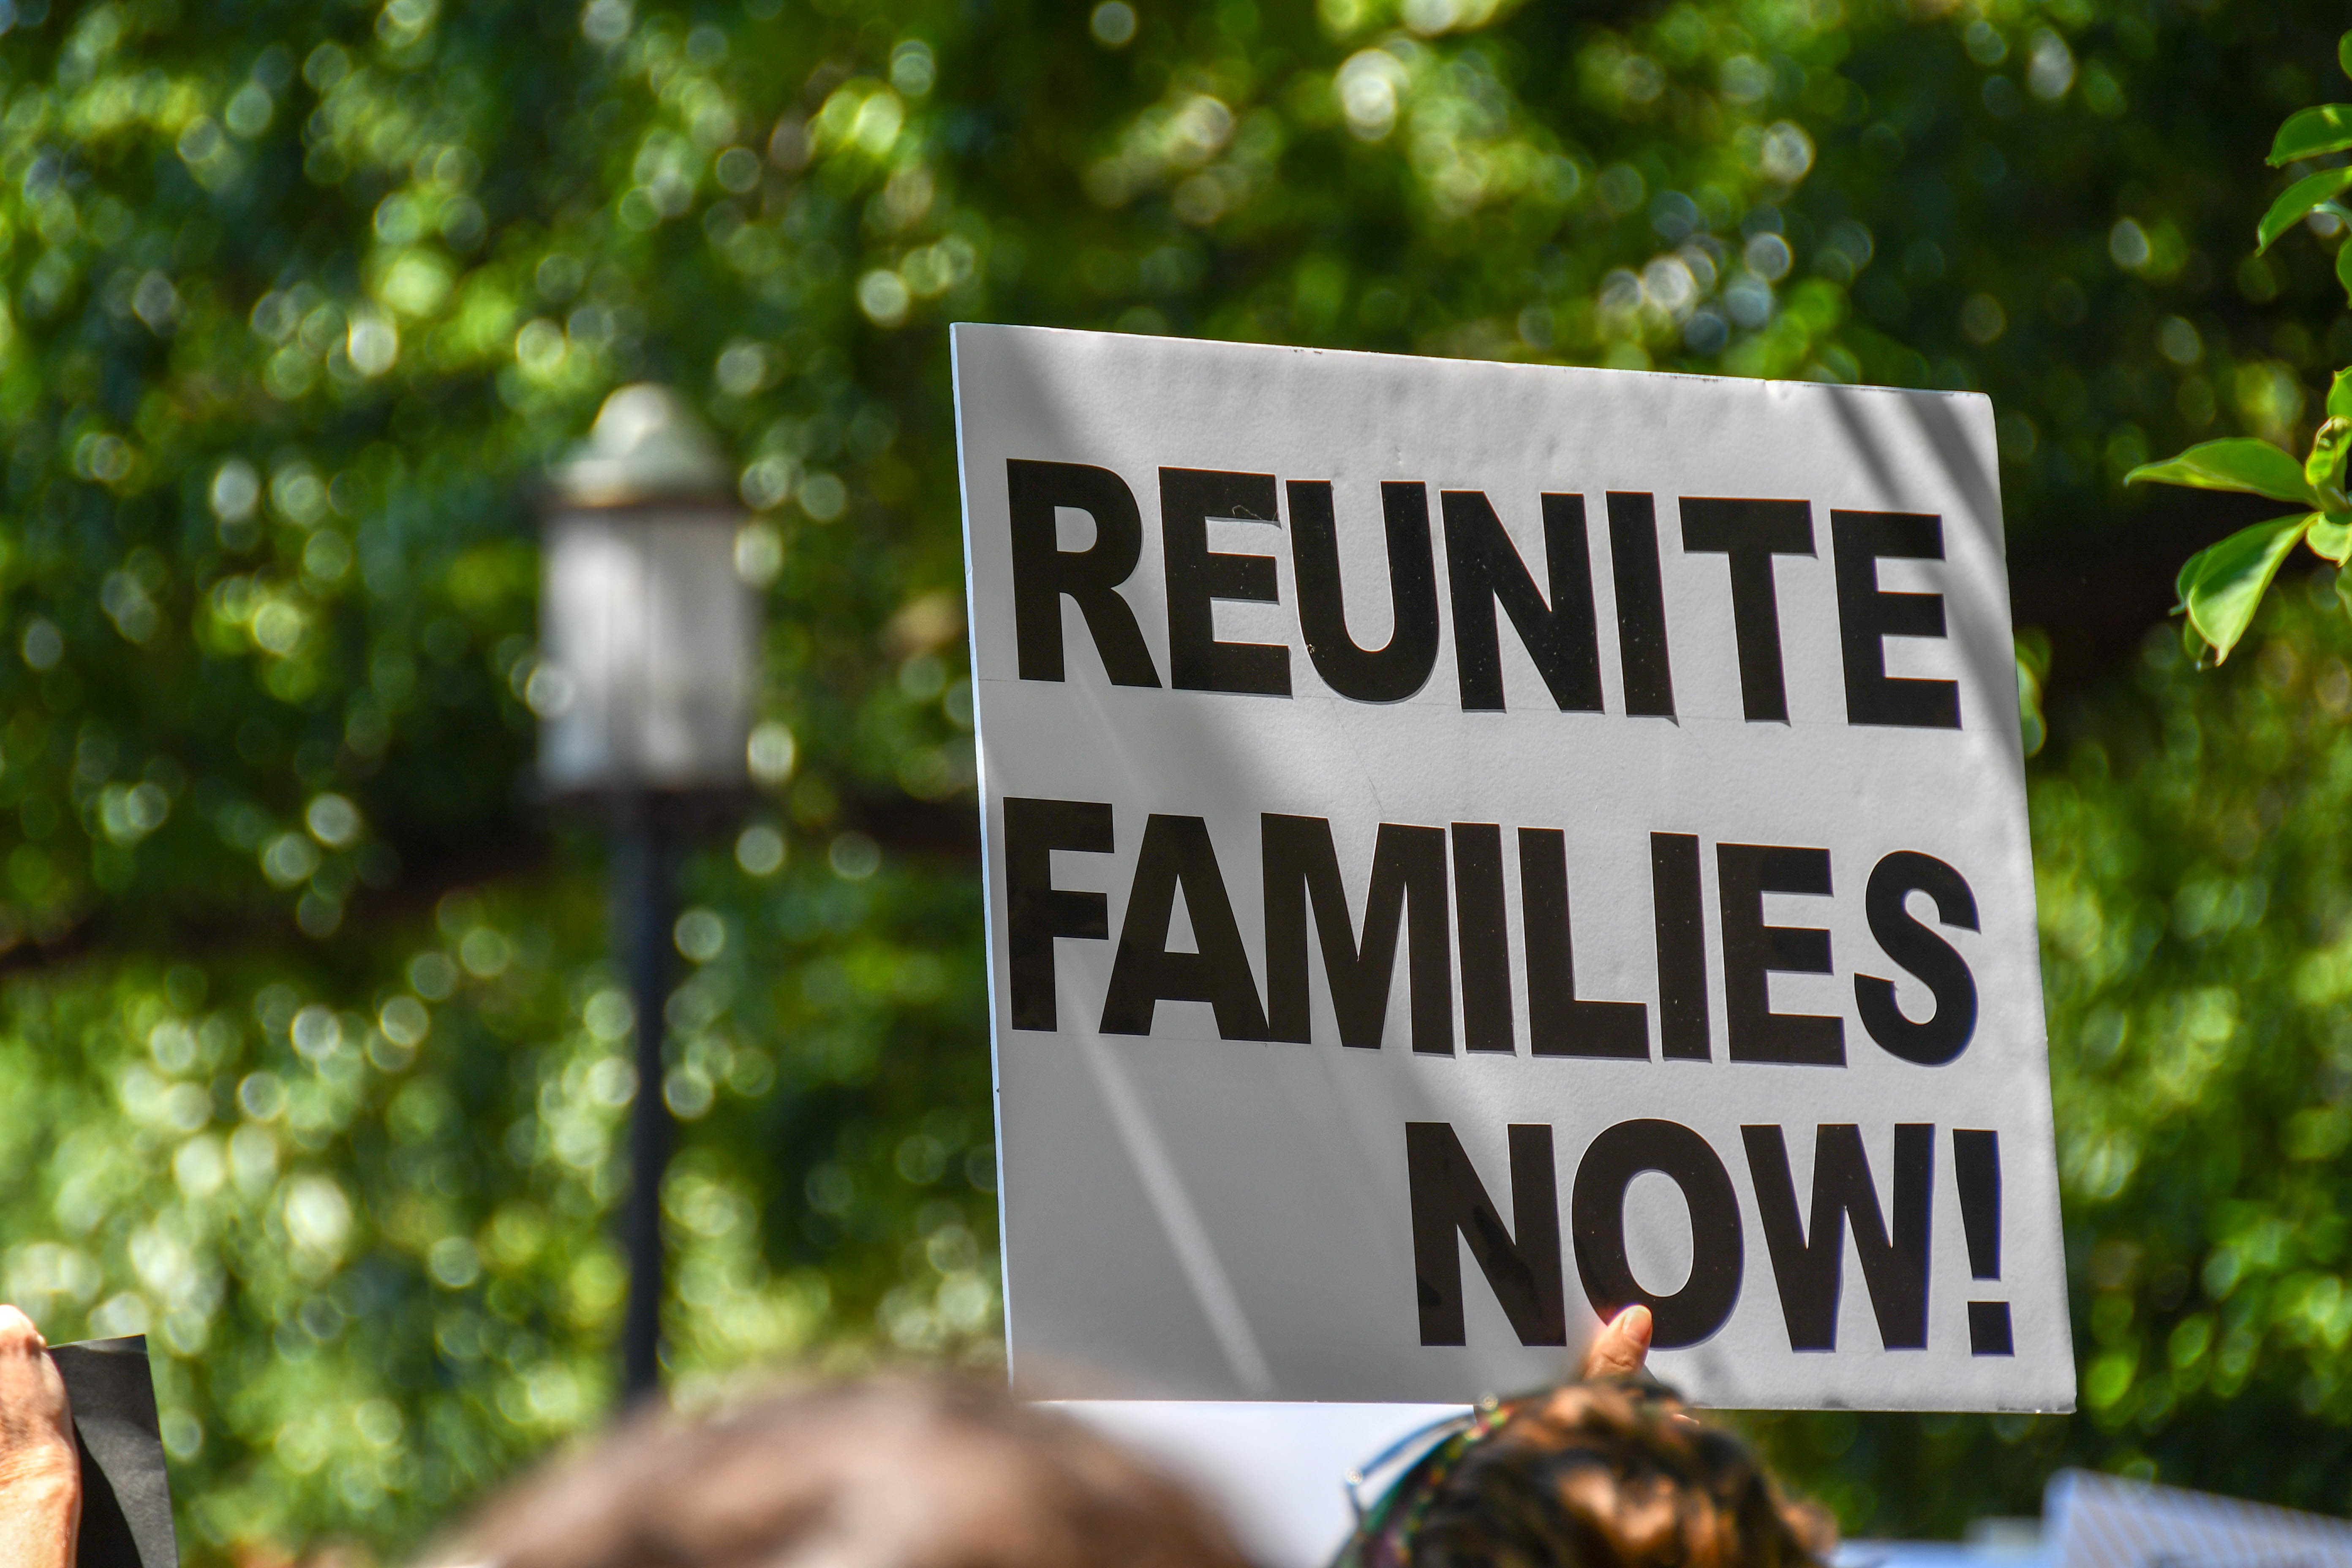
(2093,1521)
(1470,847)
(126,1492)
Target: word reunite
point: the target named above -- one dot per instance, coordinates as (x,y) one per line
(1557,623)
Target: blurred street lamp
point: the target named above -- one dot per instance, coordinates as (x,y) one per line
(649,660)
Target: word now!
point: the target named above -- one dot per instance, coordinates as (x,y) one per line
(1407,898)
(1483,570)
(1808,1249)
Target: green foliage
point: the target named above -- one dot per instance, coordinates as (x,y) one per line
(2298,201)
(2324,468)
(2232,463)
(312,1059)
(2033,682)
(2312,132)
(2222,586)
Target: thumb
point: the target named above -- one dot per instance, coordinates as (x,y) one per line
(1622,1346)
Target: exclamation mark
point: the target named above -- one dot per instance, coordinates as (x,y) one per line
(1976,1166)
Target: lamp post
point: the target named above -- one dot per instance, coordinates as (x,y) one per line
(649,650)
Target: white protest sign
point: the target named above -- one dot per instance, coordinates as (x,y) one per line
(2091,1521)
(1473,845)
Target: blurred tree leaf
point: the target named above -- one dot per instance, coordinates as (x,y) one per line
(2033,680)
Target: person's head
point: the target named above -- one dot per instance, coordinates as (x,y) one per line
(1608,1474)
(900,1472)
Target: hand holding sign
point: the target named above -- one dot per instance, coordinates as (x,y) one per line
(40,1469)
(1622,1348)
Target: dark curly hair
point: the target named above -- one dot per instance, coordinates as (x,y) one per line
(1609,1474)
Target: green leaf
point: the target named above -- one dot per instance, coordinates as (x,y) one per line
(2298,199)
(2344,267)
(2343,53)
(2032,675)
(2339,396)
(2226,581)
(2235,463)
(2331,536)
(2308,133)
(2323,469)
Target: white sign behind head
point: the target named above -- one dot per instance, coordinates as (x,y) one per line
(1470,847)
(2091,1521)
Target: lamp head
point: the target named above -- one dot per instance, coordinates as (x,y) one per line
(650,640)
(646,445)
